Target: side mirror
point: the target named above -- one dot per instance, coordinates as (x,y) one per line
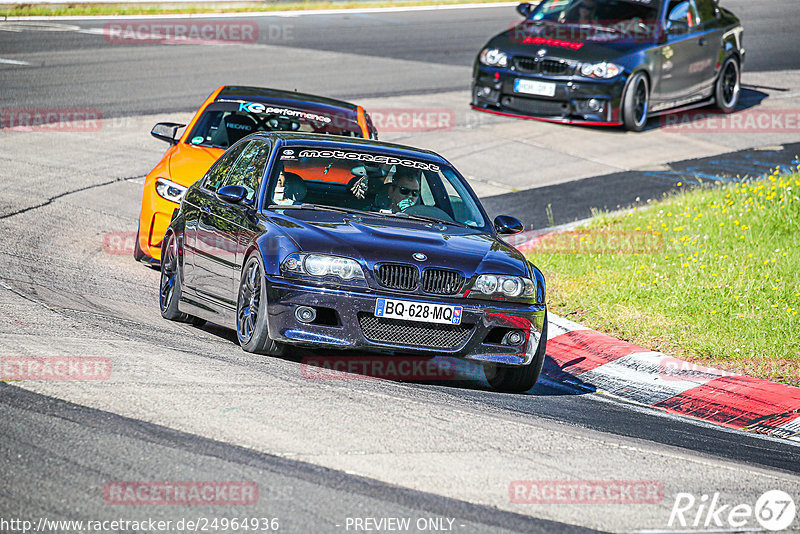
(677,27)
(525,9)
(507,225)
(166,131)
(232,194)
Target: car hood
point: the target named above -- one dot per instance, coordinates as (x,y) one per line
(188,163)
(376,239)
(529,40)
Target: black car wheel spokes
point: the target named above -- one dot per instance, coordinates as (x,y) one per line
(169,273)
(730,84)
(640,102)
(249,300)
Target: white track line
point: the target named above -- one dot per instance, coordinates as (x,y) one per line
(13,62)
(296,13)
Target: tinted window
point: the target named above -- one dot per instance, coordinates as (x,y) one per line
(222,124)
(249,168)
(602,12)
(217,174)
(706,10)
(371,182)
(683,11)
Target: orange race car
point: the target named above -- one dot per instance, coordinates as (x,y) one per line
(227,115)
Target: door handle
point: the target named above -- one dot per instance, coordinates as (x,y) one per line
(703,41)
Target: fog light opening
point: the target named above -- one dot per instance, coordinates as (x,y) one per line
(305,314)
(594,104)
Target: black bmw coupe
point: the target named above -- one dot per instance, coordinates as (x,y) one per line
(610,62)
(353,244)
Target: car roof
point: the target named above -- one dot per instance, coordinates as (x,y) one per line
(283,98)
(352,143)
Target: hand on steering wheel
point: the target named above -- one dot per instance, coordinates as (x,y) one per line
(405,204)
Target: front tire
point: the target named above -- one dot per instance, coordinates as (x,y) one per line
(251,310)
(635,103)
(170,287)
(728,86)
(519,379)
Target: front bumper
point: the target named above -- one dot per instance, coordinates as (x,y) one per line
(346,321)
(577,100)
(154,219)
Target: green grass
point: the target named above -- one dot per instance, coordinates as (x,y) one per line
(28,10)
(711,275)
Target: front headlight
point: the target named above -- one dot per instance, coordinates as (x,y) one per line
(170,190)
(493,57)
(322,265)
(603,70)
(503,286)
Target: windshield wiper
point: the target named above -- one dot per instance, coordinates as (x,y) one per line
(400,214)
(317,207)
(599,27)
(201,145)
(404,215)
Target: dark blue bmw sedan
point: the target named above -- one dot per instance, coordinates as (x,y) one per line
(306,240)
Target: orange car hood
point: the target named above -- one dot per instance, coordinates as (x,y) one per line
(189,163)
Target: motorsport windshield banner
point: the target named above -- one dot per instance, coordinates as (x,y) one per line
(359,156)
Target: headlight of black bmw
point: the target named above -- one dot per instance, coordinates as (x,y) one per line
(324,266)
(493,57)
(604,70)
(504,287)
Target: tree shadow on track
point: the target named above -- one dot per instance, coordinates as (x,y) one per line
(564,203)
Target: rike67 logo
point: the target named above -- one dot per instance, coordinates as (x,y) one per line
(774,511)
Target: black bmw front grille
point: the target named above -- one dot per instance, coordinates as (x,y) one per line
(442,282)
(548,67)
(552,67)
(397,276)
(537,106)
(528,65)
(424,335)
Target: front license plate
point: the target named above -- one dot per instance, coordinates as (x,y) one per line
(418,311)
(533,87)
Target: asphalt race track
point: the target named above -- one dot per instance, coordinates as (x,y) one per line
(186,404)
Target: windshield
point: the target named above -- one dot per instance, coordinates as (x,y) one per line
(224,123)
(595,12)
(371,182)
